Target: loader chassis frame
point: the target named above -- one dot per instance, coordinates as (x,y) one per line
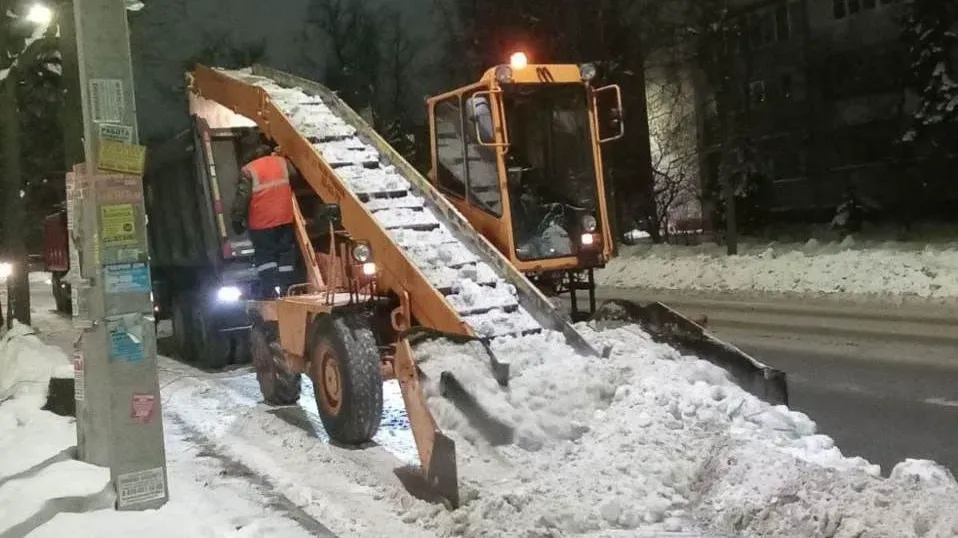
(346,329)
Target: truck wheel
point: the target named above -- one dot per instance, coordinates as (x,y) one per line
(61,294)
(182,328)
(241,349)
(278,385)
(344,365)
(211,348)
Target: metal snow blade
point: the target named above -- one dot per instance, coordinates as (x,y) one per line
(464,384)
(437,451)
(665,325)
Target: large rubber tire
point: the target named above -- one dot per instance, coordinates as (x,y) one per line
(182,318)
(211,348)
(344,364)
(61,294)
(278,386)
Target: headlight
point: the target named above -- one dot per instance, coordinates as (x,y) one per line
(587,71)
(229,294)
(369,269)
(6,269)
(589,223)
(587,239)
(504,74)
(362,253)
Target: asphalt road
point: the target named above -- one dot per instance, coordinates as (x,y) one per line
(882,383)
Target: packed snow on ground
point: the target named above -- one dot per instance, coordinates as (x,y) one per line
(211,498)
(29,435)
(651,441)
(850,267)
(27,364)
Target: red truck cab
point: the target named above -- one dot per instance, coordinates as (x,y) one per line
(56,257)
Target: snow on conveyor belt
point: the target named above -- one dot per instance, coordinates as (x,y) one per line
(485,301)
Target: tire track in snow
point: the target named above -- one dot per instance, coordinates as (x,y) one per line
(355,492)
(231,467)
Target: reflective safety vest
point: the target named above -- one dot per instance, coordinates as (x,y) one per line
(271,202)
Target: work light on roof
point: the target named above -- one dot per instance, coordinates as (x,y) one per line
(518,61)
(40,14)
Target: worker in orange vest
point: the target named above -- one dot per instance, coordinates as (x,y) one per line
(264,205)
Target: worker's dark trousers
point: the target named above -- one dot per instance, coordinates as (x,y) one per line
(275,258)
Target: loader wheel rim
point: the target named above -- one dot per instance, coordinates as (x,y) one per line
(331,383)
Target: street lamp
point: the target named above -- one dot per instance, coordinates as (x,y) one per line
(40,15)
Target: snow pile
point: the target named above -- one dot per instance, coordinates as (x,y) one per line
(30,436)
(27,364)
(209,499)
(650,440)
(39,476)
(882,269)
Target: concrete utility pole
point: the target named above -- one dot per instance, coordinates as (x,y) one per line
(119,420)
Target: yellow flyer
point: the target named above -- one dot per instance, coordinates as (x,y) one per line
(118,224)
(119,157)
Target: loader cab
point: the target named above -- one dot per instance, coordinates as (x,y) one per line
(519,154)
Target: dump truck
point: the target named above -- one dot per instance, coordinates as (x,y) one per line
(202,270)
(56,258)
(391,261)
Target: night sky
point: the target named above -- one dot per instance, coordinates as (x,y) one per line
(167,34)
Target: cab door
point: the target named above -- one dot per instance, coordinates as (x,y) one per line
(468,170)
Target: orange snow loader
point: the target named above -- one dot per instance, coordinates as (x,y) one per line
(394,261)
(390,263)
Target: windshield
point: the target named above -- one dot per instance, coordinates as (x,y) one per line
(550,166)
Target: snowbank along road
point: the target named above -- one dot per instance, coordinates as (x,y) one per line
(873,370)
(894,272)
(44,492)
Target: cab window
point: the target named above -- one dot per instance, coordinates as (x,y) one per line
(481,161)
(450,172)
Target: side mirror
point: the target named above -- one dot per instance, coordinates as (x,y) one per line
(611,121)
(481,114)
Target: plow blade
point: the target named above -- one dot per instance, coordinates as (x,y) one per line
(665,325)
(473,381)
(437,451)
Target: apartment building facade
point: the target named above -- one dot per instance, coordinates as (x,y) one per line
(821,103)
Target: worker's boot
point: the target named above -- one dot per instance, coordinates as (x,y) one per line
(269,284)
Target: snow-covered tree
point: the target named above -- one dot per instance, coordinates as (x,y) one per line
(931,34)
(30,85)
